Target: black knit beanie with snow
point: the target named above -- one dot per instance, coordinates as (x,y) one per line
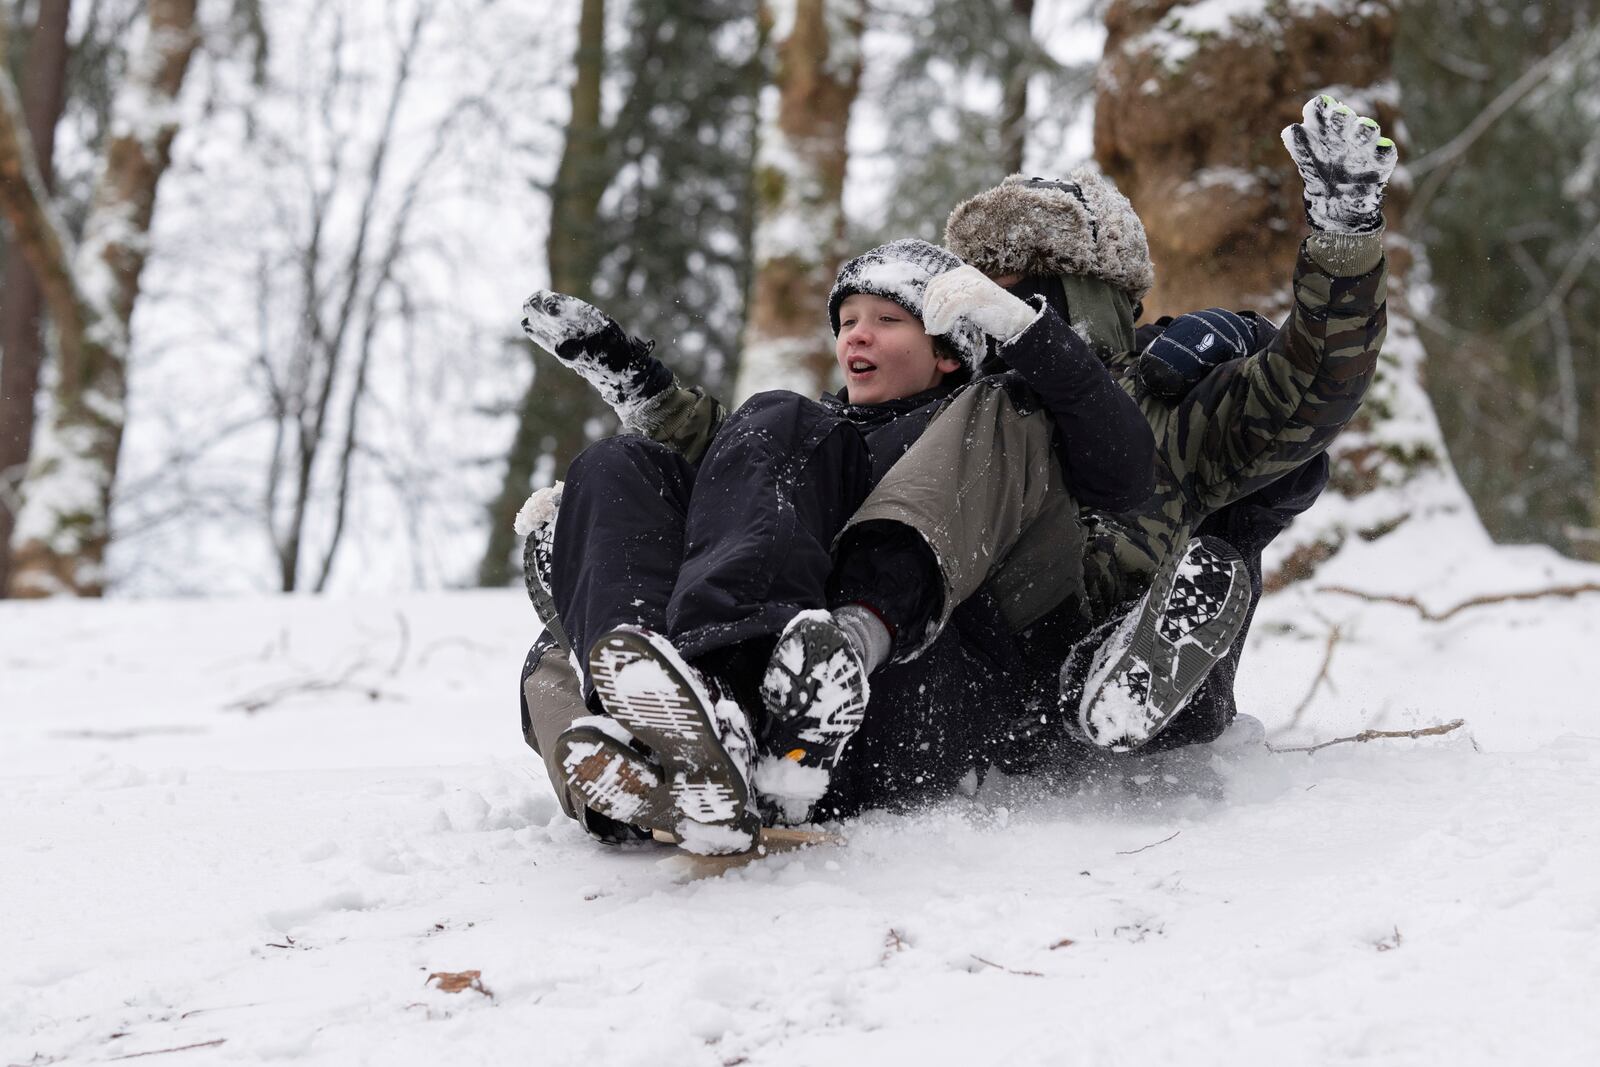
(900,271)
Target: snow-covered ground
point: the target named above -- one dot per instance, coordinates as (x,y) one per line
(251,829)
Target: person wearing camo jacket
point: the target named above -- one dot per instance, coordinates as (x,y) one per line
(1238,454)
(685,566)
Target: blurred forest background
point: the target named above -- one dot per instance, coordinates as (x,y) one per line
(263,262)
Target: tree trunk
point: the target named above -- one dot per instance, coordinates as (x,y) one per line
(64,525)
(558,405)
(21,307)
(800,169)
(1014,108)
(1187,123)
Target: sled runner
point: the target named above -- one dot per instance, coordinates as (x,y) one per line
(773,839)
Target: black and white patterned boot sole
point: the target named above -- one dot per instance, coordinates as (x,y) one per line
(1153,662)
(704,753)
(815,692)
(615,780)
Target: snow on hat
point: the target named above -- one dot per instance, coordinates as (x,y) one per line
(900,271)
(1080,225)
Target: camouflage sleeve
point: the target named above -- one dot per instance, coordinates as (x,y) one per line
(681,417)
(1254,419)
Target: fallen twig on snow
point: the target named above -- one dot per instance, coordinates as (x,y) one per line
(347,681)
(1153,844)
(893,942)
(180,1048)
(1473,602)
(1008,970)
(221,1007)
(1335,634)
(405,644)
(1374,735)
(125,735)
(268,696)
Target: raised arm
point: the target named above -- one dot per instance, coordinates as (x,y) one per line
(641,389)
(1252,420)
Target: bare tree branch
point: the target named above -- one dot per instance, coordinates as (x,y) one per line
(1153,844)
(1334,636)
(1439,163)
(1008,970)
(324,353)
(1474,602)
(1375,735)
(1570,277)
(398,228)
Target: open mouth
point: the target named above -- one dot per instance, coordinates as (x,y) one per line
(858,366)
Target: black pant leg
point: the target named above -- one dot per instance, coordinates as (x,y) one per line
(771,494)
(927,725)
(619,537)
(889,567)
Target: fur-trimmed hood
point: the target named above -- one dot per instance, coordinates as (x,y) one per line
(1079,225)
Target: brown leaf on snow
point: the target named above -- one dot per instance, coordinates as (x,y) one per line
(457,981)
(1063,943)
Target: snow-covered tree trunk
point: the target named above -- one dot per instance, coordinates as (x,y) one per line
(44,76)
(1014,102)
(64,525)
(800,167)
(1192,96)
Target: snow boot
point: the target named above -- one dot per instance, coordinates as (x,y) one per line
(1151,664)
(614,778)
(815,694)
(693,728)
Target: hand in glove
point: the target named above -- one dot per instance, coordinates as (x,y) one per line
(1191,346)
(966,293)
(1345,164)
(590,342)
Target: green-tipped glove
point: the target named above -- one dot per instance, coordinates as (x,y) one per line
(1345,162)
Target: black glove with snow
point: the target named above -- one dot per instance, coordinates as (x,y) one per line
(1191,346)
(1345,163)
(590,342)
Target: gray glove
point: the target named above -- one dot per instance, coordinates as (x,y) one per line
(589,341)
(1345,164)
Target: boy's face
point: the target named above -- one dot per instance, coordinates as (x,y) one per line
(884,352)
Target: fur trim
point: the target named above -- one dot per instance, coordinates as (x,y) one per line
(1081,225)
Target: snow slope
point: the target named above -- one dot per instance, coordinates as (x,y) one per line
(178,872)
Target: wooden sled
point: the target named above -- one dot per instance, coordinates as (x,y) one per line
(773,839)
